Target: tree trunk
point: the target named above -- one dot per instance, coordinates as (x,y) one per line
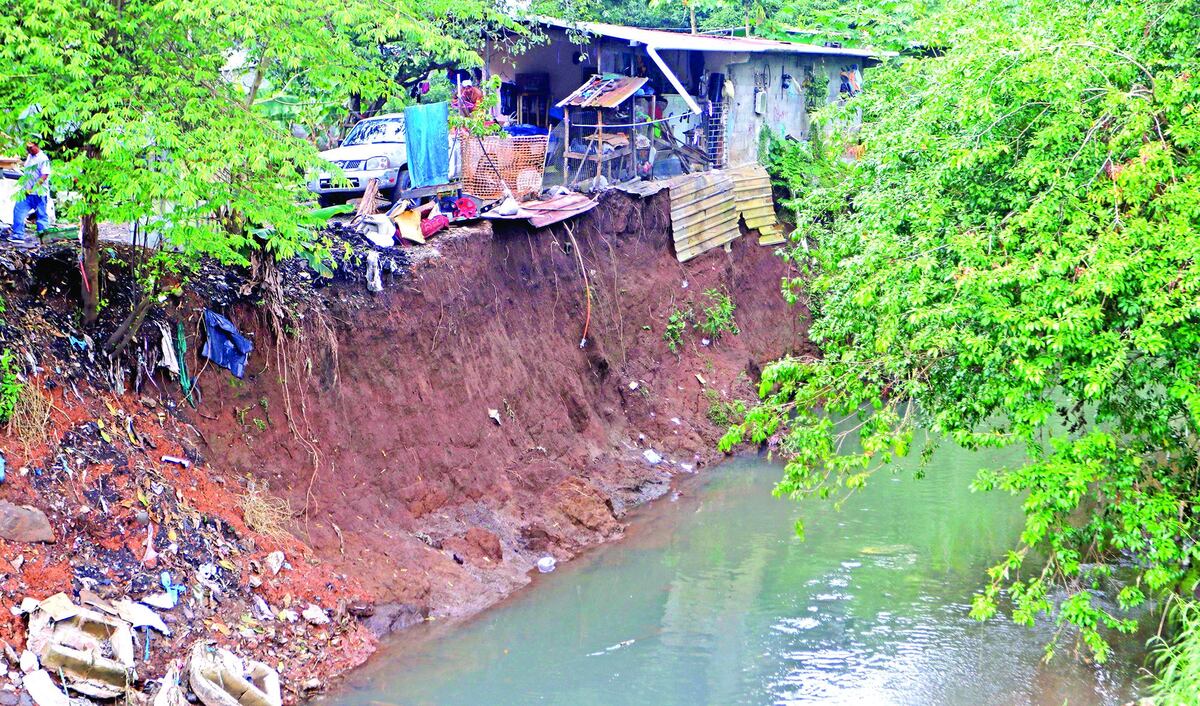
(90,231)
(259,70)
(692,11)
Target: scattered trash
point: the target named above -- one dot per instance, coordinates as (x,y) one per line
(546,564)
(705,342)
(275,562)
(170,693)
(652,457)
(177,461)
(22,523)
(92,652)
(676,421)
(28,662)
(3,463)
(380,230)
(374,273)
(315,615)
(700,379)
(262,611)
(495,415)
(140,616)
(150,558)
(219,678)
(43,690)
(634,385)
(225,345)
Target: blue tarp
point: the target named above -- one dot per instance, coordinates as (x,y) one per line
(226,346)
(428,137)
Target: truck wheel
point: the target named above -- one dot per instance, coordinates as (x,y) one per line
(327,200)
(403,183)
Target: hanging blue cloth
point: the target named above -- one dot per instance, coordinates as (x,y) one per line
(226,346)
(428,138)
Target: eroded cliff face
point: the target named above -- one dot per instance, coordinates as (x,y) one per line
(458,429)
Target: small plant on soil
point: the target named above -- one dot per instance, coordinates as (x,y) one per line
(718,318)
(722,412)
(676,324)
(10,386)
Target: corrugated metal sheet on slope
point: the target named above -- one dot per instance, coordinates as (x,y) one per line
(756,203)
(703,213)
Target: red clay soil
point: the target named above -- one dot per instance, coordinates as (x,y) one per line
(93,481)
(428,502)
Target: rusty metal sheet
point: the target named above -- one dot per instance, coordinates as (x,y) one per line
(550,211)
(600,92)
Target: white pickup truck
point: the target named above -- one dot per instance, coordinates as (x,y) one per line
(374,149)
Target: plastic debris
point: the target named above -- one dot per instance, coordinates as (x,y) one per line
(380,230)
(275,562)
(219,678)
(652,457)
(315,615)
(225,345)
(170,693)
(374,273)
(43,690)
(93,652)
(140,616)
(177,461)
(495,416)
(546,564)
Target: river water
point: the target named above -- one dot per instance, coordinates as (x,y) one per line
(712,599)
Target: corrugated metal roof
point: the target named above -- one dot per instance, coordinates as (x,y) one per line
(600,92)
(661,39)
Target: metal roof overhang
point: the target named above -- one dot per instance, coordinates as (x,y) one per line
(661,39)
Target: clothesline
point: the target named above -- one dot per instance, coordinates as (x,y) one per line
(614,126)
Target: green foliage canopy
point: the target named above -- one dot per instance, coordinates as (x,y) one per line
(152,103)
(1013,262)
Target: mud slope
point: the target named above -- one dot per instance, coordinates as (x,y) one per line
(424,498)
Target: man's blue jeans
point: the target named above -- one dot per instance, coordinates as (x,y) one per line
(31,202)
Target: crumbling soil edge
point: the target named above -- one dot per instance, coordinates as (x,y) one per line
(463,433)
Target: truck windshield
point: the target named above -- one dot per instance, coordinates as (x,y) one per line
(374,132)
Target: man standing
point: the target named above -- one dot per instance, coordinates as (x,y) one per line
(35,186)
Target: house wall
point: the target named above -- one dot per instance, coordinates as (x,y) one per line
(785,111)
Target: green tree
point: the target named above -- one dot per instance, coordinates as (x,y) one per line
(1013,262)
(152,104)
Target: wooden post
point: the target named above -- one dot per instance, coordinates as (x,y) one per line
(599,141)
(566,145)
(650,133)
